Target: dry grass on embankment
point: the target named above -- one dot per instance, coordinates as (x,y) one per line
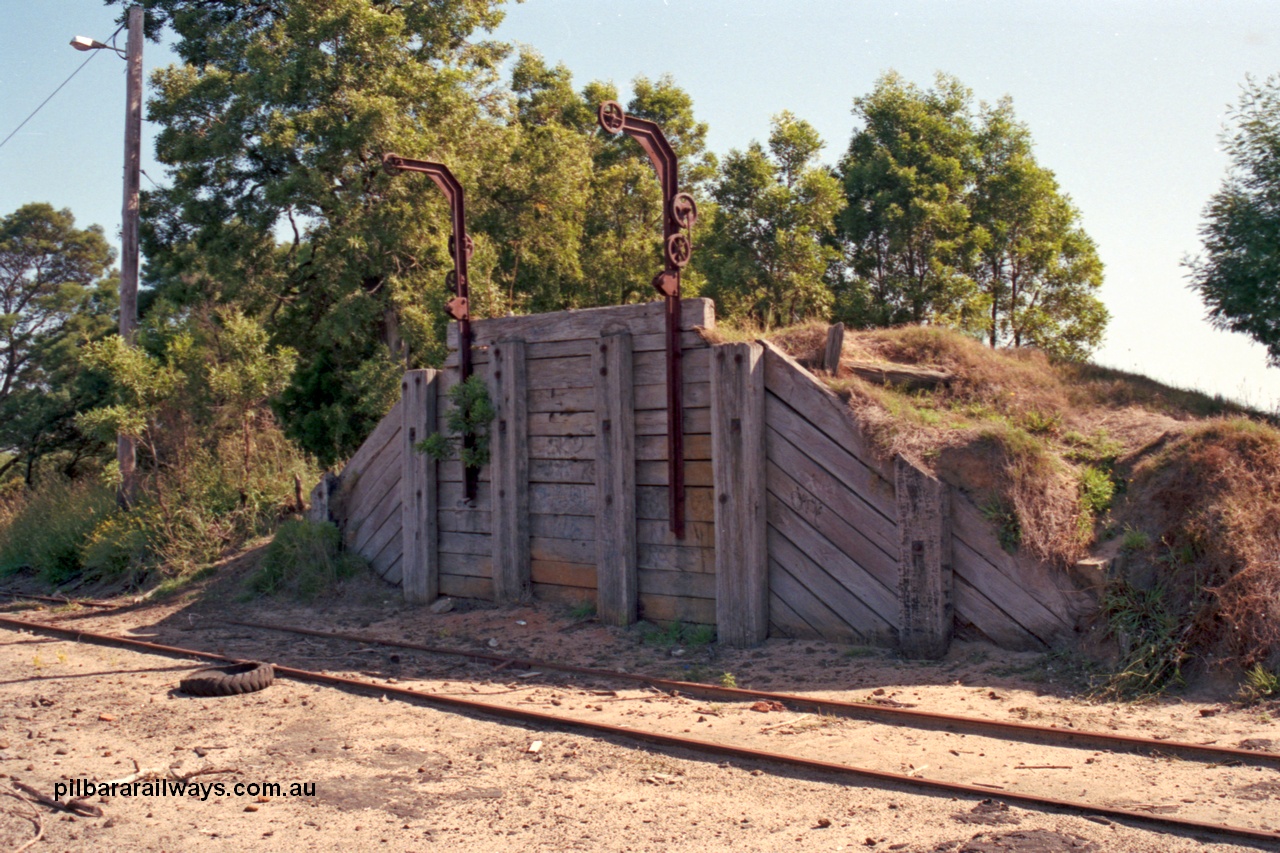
(1067,460)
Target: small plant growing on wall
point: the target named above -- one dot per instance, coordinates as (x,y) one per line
(470,416)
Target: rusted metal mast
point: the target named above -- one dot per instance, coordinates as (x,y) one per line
(460,247)
(679,212)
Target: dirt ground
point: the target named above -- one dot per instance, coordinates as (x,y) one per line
(391,775)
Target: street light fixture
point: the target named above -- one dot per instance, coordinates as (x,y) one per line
(86,43)
(126,447)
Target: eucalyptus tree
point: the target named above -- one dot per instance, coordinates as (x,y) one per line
(768,248)
(1238,276)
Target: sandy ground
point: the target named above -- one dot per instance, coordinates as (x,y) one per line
(394,775)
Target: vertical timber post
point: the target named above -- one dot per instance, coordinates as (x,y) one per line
(924,562)
(616,586)
(420,572)
(510,473)
(738,454)
(127,445)
(835,348)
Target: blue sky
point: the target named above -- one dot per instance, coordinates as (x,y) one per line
(1124,99)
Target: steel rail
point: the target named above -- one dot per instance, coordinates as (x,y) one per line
(894,716)
(84,602)
(1256,836)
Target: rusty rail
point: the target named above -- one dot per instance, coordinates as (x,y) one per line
(1256,836)
(859,710)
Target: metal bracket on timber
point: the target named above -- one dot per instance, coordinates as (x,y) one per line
(460,246)
(679,212)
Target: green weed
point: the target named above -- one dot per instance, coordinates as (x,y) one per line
(305,558)
(45,532)
(583,610)
(1260,683)
(1153,648)
(1134,540)
(728,679)
(1008,530)
(1097,490)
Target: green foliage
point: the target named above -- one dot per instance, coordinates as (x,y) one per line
(46,530)
(1260,683)
(1236,277)
(767,252)
(305,558)
(728,679)
(56,292)
(470,416)
(1152,646)
(905,232)
(1008,529)
(1134,540)
(120,545)
(677,633)
(583,610)
(951,220)
(1097,491)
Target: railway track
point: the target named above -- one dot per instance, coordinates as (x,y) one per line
(1258,837)
(1030,732)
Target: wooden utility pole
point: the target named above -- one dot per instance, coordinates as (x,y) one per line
(126,446)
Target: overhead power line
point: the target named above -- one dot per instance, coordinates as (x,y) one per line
(92,54)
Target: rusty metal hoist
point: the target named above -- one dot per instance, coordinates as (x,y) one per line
(460,247)
(679,214)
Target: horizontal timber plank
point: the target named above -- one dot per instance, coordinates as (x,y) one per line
(654,447)
(466,587)
(697,534)
(562,423)
(676,558)
(562,447)
(649,398)
(836,564)
(583,346)
(650,368)
(987,618)
(825,587)
(559,373)
(562,499)
(697,395)
(654,473)
(838,525)
(464,521)
(454,497)
(562,573)
(822,620)
(677,584)
(478,544)
(469,565)
(829,489)
(651,503)
(563,594)
(648,318)
(562,526)
(667,608)
(451,472)
(697,421)
(580,472)
(563,550)
(827,453)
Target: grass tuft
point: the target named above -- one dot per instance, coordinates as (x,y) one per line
(305,559)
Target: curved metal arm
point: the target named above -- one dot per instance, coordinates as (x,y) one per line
(460,246)
(678,211)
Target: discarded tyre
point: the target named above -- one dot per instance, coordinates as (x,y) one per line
(246,677)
